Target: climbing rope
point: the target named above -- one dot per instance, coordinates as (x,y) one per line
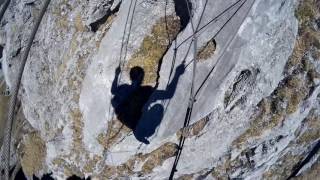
(125,38)
(122,59)
(209,22)
(191,97)
(192,94)
(124,47)
(227,44)
(17,84)
(15,90)
(198,31)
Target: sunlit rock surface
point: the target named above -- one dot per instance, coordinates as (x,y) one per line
(256,113)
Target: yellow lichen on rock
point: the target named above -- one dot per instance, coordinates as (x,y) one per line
(311,131)
(91,164)
(62,21)
(149,162)
(206,51)
(116,130)
(306,135)
(77,126)
(306,11)
(104,29)
(154,46)
(186,177)
(228,165)
(68,169)
(78,23)
(273,110)
(291,91)
(33,154)
(158,156)
(284,168)
(194,129)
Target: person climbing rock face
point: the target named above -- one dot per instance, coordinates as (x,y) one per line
(129,99)
(132,102)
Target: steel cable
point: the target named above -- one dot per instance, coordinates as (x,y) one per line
(15,90)
(191,97)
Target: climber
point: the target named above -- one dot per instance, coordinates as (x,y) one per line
(129,101)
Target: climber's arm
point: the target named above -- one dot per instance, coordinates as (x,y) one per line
(171,88)
(114,87)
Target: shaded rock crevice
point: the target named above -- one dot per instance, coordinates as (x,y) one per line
(94,26)
(181,8)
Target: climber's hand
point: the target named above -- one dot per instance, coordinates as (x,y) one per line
(118,70)
(181,68)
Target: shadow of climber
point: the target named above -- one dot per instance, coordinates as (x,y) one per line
(132,101)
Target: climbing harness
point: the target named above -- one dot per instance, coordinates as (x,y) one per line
(13,99)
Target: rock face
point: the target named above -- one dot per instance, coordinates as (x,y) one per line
(257,107)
